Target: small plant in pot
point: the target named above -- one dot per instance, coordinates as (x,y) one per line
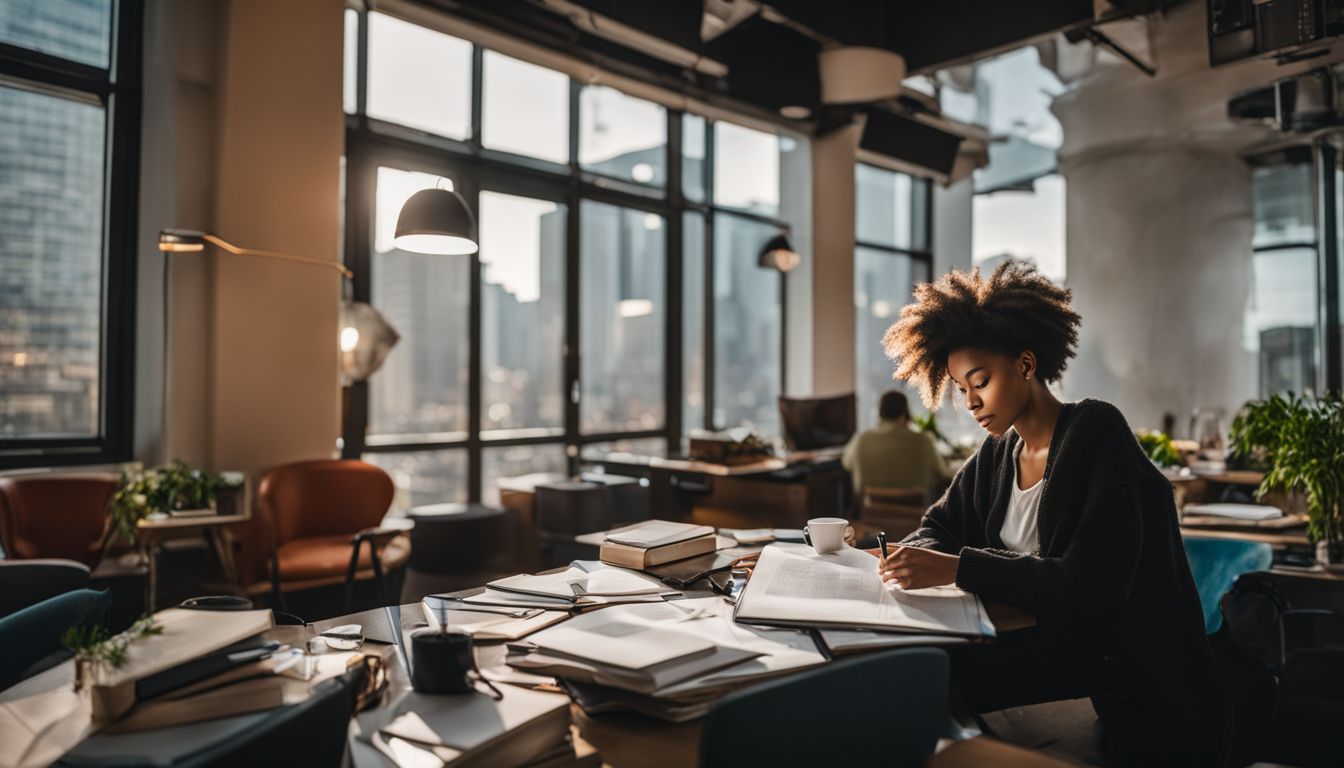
(1300,441)
(174,486)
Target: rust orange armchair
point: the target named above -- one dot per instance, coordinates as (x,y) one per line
(60,516)
(321,514)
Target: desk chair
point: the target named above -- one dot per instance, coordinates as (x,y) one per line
(32,637)
(62,516)
(29,582)
(898,510)
(1216,564)
(321,513)
(843,713)
(309,733)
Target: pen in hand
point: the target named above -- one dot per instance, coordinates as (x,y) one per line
(881,547)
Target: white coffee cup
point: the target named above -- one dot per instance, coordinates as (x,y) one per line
(826,534)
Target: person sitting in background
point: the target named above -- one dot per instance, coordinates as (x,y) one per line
(891,455)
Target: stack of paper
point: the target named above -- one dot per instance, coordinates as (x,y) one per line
(586,653)
(584,583)
(792,585)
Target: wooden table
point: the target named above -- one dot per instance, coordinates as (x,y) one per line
(150,532)
(628,739)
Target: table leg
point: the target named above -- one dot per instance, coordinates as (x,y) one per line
(222,540)
(149,554)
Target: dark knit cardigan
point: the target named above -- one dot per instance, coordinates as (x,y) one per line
(1110,559)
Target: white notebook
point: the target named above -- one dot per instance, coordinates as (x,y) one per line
(794,586)
(605,637)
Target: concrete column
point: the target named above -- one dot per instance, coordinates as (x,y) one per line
(821,291)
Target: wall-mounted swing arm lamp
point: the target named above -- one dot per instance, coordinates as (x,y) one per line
(434,221)
(365,337)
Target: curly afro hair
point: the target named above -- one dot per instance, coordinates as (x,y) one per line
(1016,309)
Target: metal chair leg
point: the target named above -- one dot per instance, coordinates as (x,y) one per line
(378,573)
(277,596)
(350,572)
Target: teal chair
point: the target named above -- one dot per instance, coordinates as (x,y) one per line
(1216,564)
(33,635)
(881,709)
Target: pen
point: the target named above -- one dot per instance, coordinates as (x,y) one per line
(882,544)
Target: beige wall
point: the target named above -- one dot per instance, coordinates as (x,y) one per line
(281,135)
(243,136)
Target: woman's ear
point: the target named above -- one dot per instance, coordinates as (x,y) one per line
(1026,364)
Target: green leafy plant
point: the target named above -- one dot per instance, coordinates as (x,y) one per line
(929,423)
(172,486)
(1301,441)
(95,647)
(1159,448)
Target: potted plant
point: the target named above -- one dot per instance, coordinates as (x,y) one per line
(1300,441)
(170,488)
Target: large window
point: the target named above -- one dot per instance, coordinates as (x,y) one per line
(69,132)
(1281,310)
(892,253)
(616,301)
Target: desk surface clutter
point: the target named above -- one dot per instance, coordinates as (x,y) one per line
(611,639)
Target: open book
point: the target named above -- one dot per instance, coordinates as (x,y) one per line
(792,585)
(584,582)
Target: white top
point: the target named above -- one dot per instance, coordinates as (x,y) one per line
(1019,525)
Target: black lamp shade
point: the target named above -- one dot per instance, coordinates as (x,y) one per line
(778,254)
(436,221)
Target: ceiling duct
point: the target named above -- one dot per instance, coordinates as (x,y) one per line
(632,25)
(853,74)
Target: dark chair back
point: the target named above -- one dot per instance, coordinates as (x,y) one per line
(1216,564)
(888,708)
(33,634)
(821,422)
(310,733)
(29,582)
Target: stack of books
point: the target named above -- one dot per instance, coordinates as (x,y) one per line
(670,661)
(202,665)
(656,542)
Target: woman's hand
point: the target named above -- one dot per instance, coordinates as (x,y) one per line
(918,567)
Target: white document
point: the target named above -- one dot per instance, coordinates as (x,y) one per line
(583,579)
(1235,511)
(657,533)
(793,585)
(608,638)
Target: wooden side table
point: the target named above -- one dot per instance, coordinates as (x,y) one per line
(151,531)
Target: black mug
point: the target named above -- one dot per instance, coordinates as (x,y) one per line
(441,662)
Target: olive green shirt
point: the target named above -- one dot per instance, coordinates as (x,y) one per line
(891,455)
